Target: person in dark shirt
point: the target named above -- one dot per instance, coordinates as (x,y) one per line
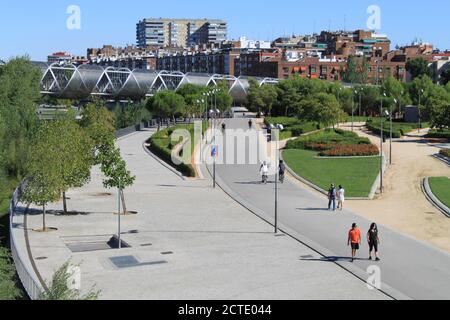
(373,240)
(282,171)
(332,193)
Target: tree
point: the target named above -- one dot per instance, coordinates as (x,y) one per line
(327,111)
(418,67)
(166,104)
(262,98)
(224,99)
(19,94)
(440,114)
(445,77)
(356,71)
(75,156)
(116,173)
(43,183)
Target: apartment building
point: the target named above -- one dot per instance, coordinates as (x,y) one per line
(180,32)
(130,57)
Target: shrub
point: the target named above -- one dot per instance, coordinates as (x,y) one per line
(445,153)
(439,134)
(360,150)
(376,129)
(328,137)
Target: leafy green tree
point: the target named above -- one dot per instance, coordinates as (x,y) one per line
(356,71)
(74,158)
(99,124)
(445,77)
(166,104)
(61,289)
(440,114)
(19,93)
(43,184)
(116,174)
(224,99)
(418,67)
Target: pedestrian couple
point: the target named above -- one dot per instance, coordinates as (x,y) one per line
(336,195)
(354,240)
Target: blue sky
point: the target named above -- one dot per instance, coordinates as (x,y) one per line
(38,28)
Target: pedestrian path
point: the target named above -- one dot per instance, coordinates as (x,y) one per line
(409,268)
(187,242)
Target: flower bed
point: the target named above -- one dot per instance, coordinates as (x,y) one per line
(362,150)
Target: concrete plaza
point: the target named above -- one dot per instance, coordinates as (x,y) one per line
(190,242)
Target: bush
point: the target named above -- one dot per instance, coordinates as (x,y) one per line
(293,127)
(360,150)
(376,129)
(445,153)
(439,134)
(328,137)
(165,154)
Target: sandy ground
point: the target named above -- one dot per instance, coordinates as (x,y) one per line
(403,206)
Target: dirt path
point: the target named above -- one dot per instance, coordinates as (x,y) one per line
(403,206)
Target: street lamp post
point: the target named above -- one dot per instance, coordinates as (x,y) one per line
(420,116)
(381,144)
(277,161)
(119,227)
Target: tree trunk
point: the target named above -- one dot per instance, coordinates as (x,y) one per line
(122,195)
(44,227)
(64,203)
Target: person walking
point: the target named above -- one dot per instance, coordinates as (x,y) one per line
(374,241)
(341,197)
(354,240)
(264,171)
(282,171)
(250,124)
(332,197)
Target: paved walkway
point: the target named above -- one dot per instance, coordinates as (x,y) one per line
(219,249)
(409,267)
(403,206)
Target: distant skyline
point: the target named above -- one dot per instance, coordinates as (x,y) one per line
(38,28)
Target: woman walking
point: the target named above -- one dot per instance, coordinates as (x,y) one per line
(373,240)
(341,198)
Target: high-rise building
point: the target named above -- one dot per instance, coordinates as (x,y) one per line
(180,32)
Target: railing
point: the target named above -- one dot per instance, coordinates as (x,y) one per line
(29,283)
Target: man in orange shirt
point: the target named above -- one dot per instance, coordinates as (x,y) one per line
(354,239)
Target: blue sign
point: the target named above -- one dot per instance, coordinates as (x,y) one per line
(214,151)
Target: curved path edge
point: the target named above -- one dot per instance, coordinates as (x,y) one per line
(433,199)
(358,273)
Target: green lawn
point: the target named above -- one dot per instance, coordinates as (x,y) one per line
(441,189)
(357,175)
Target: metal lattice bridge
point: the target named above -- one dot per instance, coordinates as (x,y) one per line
(71,82)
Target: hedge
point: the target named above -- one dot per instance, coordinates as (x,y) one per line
(293,127)
(165,154)
(445,153)
(328,137)
(161,146)
(386,132)
(439,134)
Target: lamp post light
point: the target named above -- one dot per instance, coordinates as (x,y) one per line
(119,226)
(420,116)
(381,143)
(276,136)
